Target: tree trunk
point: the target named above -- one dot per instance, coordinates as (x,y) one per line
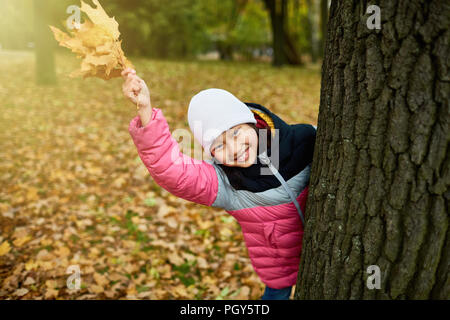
(225,50)
(284,51)
(313,15)
(323,25)
(225,46)
(277,16)
(379,188)
(44,44)
(291,52)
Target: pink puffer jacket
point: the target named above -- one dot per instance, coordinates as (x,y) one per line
(270,223)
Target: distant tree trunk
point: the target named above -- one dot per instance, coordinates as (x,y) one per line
(284,51)
(323,25)
(379,189)
(44,44)
(225,50)
(278,14)
(225,46)
(313,20)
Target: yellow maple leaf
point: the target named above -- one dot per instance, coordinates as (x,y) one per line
(51,294)
(31,265)
(99,17)
(95,289)
(101,280)
(96,41)
(63,252)
(21,241)
(4,248)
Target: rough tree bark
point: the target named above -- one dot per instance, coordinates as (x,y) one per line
(379,188)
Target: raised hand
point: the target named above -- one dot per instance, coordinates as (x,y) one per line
(135,89)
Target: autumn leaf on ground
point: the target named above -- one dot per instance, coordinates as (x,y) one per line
(21,241)
(4,248)
(135,240)
(97,43)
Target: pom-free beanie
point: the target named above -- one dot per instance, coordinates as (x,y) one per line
(212,112)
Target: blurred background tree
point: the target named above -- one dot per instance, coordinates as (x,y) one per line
(281,31)
(43,42)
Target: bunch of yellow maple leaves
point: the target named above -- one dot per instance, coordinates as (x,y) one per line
(97,43)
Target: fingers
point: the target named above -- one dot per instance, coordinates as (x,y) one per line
(131,95)
(134,88)
(132,83)
(133,80)
(135,85)
(126,72)
(131,89)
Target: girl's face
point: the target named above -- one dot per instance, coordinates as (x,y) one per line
(236,147)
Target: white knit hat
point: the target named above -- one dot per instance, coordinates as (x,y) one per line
(212,112)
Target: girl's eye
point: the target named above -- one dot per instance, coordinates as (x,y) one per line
(218,147)
(235,132)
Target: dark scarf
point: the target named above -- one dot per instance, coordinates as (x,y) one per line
(296,143)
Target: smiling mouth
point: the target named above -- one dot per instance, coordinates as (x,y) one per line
(244,155)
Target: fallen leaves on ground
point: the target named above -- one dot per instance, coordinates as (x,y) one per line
(75,193)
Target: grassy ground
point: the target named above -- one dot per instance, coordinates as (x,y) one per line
(74,192)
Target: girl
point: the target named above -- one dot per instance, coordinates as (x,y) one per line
(268,205)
